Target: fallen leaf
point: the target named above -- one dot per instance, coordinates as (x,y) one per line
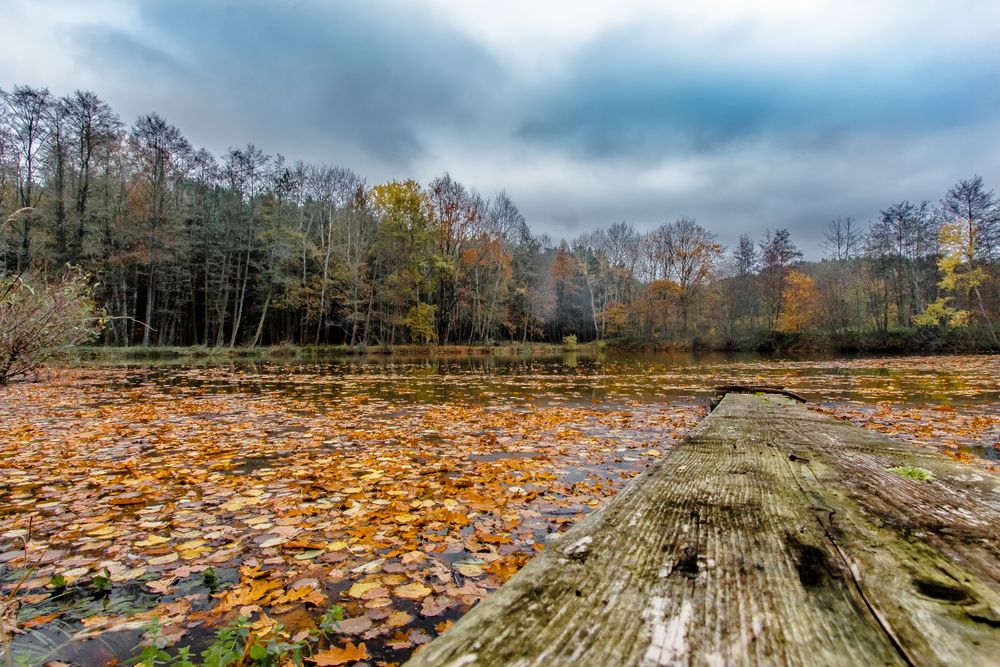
(414,591)
(359,589)
(340,656)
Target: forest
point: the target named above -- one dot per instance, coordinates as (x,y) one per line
(181,247)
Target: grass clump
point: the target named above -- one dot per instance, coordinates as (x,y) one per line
(913,472)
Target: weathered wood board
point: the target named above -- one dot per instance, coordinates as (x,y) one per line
(773,534)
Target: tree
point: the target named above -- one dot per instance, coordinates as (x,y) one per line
(94,126)
(686,253)
(26,113)
(799,309)
(161,151)
(969,202)
(976,213)
(420,322)
(745,258)
(901,246)
(959,276)
(38,319)
(841,239)
(405,251)
(739,298)
(777,253)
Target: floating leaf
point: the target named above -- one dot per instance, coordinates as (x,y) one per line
(414,591)
(359,589)
(340,656)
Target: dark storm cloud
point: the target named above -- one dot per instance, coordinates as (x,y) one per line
(308,80)
(633,97)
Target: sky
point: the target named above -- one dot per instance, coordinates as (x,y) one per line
(745,115)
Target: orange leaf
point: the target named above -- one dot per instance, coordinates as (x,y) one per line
(340,656)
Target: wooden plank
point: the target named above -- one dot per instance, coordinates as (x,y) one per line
(772,535)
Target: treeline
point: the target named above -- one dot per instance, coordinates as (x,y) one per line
(246,249)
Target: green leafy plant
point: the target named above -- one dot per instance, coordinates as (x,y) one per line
(210,579)
(278,650)
(155,656)
(913,472)
(328,622)
(229,644)
(101,583)
(58,583)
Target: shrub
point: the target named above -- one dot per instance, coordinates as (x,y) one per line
(569,342)
(39,319)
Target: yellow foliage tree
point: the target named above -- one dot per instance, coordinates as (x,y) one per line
(798,308)
(958,276)
(420,321)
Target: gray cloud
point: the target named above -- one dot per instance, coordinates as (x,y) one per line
(740,124)
(316,82)
(626,95)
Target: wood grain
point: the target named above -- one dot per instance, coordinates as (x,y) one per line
(772,535)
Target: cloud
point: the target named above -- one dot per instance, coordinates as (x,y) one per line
(629,94)
(744,115)
(320,82)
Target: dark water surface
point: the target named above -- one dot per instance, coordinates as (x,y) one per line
(581,378)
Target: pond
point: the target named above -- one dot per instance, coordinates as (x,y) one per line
(159,503)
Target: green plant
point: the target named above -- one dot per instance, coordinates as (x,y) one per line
(913,472)
(210,579)
(328,622)
(101,583)
(277,651)
(155,656)
(569,342)
(229,644)
(58,583)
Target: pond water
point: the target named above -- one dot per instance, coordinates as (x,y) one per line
(401,490)
(587,378)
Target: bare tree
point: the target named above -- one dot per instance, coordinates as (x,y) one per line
(745,260)
(161,151)
(842,238)
(777,254)
(93,125)
(686,253)
(978,209)
(26,114)
(38,319)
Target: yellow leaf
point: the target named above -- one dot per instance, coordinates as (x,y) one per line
(362,587)
(163,560)
(273,542)
(470,570)
(398,619)
(414,591)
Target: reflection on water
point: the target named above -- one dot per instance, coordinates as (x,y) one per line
(581,378)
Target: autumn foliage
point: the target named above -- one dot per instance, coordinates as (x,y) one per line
(39,318)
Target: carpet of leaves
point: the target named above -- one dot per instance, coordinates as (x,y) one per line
(402,493)
(403,513)
(961,434)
